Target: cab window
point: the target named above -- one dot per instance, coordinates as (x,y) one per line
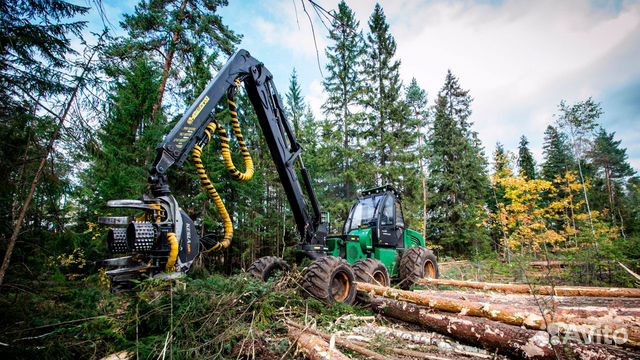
(399,216)
(386,217)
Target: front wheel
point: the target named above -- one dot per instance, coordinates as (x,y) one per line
(417,263)
(330,279)
(372,271)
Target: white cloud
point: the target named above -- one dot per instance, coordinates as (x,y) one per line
(518,58)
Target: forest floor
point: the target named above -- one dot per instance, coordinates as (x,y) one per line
(204,316)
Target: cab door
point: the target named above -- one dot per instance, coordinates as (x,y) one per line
(390,230)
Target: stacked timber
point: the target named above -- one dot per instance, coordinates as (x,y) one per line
(522,326)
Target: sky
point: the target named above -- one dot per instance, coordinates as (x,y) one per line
(519,59)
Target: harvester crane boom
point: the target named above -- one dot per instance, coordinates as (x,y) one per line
(280,138)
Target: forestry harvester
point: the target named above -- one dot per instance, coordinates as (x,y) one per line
(375,244)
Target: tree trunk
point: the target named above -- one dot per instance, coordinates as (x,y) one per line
(538,319)
(630,306)
(540,290)
(313,347)
(168,61)
(505,339)
(36,178)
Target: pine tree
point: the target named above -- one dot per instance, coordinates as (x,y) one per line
(557,155)
(611,162)
(295,103)
(391,129)
(526,162)
(343,85)
(188,34)
(457,179)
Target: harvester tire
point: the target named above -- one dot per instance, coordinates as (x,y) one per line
(331,280)
(371,271)
(417,263)
(266,267)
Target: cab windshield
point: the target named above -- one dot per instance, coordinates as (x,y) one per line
(363,213)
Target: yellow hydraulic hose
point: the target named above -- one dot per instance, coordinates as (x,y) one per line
(228,162)
(224,143)
(173,254)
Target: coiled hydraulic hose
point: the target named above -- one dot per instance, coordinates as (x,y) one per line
(206,183)
(173,254)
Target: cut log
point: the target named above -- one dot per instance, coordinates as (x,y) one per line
(342,342)
(418,354)
(554,264)
(541,290)
(514,315)
(494,336)
(314,347)
(630,304)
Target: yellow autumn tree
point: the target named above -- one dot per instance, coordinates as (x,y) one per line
(537,215)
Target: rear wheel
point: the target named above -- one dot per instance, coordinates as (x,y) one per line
(330,279)
(372,271)
(417,263)
(268,266)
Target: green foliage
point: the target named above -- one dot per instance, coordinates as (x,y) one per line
(557,154)
(339,161)
(207,317)
(526,162)
(390,130)
(126,142)
(455,200)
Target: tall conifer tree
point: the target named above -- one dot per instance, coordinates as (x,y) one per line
(391,130)
(295,103)
(343,85)
(526,162)
(557,155)
(188,34)
(457,176)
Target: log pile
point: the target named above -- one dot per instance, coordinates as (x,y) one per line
(530,326)
(540,290)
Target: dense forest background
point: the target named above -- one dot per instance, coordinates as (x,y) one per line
(81,115)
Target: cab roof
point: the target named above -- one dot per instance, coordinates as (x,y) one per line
(380,190)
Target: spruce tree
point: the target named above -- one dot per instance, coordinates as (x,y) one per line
(391,130)
(126,141)
(295,106)
(188,34)
(457,177)
(343,85)
(526,162)
(416,99)
(557,155)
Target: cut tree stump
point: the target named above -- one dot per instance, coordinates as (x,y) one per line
(314,347)
(603,326)
(494,336)
(540,290)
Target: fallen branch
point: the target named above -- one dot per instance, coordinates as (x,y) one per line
(494,336)
(313,347)
(596,325)
(540,290)
(342,342)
